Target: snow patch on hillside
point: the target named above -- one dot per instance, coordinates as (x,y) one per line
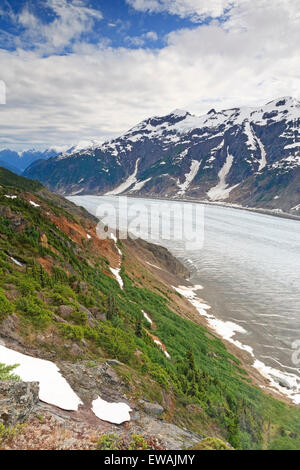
(116,273)
(292,146)
(54,389)
(263,161)
(116,413)
(126,184)
(139,185)
(189,177)
(34,204)
(222,191)
(251,142)
(16,262)
(147,317)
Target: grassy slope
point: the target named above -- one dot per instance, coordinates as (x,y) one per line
(209,391)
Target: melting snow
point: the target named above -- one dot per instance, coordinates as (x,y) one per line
(54,389)
(116,413)
(113,237)
(162,348)
(16,262)
(251,143)
(34,204)
(129,182)
(263,161)
(154,266)
(189,177)
(116,273)
(147,317)
(292,146)
(140,184)
(227,330)
(221,191)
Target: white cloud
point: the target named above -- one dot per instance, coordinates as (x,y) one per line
(99,91)
(71,20)
(140,41)
(152,36)
(194,9)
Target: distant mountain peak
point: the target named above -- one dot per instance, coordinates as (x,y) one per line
(180,113)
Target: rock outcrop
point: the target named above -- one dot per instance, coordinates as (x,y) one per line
(17,401)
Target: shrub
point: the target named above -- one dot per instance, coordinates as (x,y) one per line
(109,442)
(34,309)
(6,307)
(138,443)
(8,433)
(6,372)
(211,443)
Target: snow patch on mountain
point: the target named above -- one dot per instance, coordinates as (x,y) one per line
(292,146)
(116,273)
(54,389)
(263,161)
(139,185)
(251,142)
(126,184)
(221,191)
(189,177)
(116,413)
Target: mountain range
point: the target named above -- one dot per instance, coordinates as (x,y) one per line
(19,161)
(245,156)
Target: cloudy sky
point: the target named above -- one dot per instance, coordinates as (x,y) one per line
(78,70)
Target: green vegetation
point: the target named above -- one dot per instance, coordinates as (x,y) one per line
(6,372)
(200,373)
(9,179)
(115,442)
(8,433)
(211,443)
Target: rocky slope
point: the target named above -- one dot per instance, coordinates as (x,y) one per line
(106,314)
(246,156)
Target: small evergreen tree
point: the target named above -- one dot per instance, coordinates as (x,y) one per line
(139,328)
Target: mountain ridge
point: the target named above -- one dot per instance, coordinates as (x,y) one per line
(247,156)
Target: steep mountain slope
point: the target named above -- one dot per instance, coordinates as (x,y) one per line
(249,156)
(106,313)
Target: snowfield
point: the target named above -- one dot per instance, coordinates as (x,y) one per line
(116,413)
(54,389)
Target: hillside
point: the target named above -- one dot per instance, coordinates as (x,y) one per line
(245,156)
(105,312)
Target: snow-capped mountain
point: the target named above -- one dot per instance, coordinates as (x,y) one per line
(249,156)
(19,161)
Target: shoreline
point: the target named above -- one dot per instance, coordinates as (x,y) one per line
(257,210)
(273,381)
(278,382)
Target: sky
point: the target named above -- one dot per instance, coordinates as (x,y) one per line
(82,70)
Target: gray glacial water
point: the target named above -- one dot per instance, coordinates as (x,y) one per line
(249,267)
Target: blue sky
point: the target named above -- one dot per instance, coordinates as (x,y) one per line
(120,24)
(81,70)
